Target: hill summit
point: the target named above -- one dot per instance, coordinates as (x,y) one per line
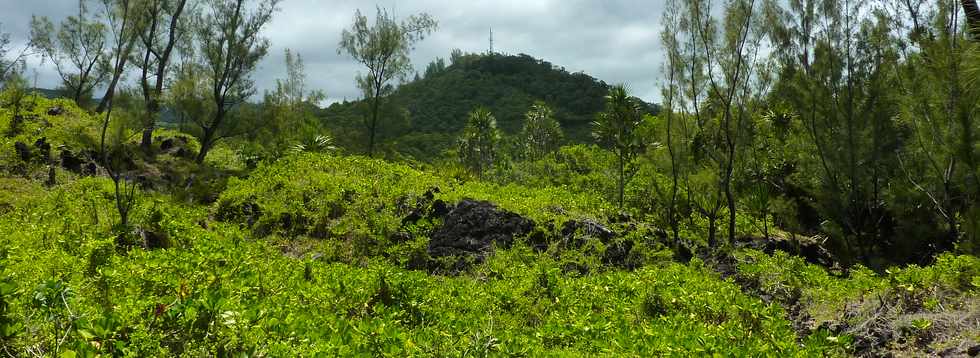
(423,117)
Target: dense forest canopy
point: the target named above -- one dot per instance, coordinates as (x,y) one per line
(433,107)
(807,184)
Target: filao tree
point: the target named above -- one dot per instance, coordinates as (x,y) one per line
(4,48)
(617,129)
(939,108)
(672,121)
(10,65)
(163,24)
(230,45)
(383,48)
(729,67)
(77,50)
(289,118)
(122,18)
(541,133)
(112,143)
(710,85)
(480,141)
(841,86)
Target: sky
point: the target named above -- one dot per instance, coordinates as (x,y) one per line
(616,41)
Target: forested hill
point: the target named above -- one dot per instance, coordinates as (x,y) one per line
(429,112)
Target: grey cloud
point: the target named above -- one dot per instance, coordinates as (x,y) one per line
(616,40)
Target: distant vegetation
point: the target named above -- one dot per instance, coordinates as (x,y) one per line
(427,114)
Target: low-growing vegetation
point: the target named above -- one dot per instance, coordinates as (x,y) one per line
(806,187)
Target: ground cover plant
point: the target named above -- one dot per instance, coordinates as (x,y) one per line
(805,185)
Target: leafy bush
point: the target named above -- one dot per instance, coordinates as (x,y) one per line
(324,196)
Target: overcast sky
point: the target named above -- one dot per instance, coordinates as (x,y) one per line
(613,40)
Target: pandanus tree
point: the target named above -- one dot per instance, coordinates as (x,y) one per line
(616,129)
(541,133)
(479,142)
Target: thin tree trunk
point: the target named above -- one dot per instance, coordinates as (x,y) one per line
(374,123)
(147,139)
(124,46)
(712,229)
(207,140)
(152,99)
(765,223)
(731,212)
(205,145)
(729,195)
(672,207)
(77,96)
(117,73)
(122,208)
(110,91)
(622,179)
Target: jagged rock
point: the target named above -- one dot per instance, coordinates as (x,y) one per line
(472,227)
(248,212)
(401,236)
(69,161)
(974,351)
(77,163)
(809,249)
(183,153)
(52,177)
(56,111)
(402,204)
(23,151)
(90,169)
(154,240)
(143,237)
(575,268)
(539,239)
(440,208)
(682,251)
(576,232)
(166,144)
(177,147)
(423,208)
(44,148)
(618,254)
(430,194)
(413,217)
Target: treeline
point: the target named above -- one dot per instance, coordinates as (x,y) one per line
(187,59)
(853,120)
(193,56)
